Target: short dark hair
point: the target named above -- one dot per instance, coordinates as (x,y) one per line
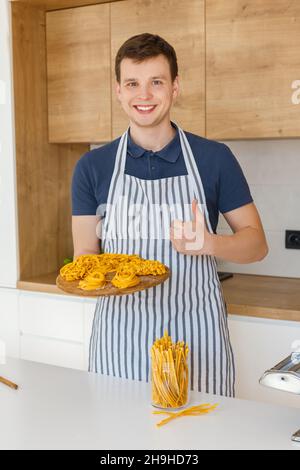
(144,46)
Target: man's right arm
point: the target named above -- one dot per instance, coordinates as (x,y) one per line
(86,232)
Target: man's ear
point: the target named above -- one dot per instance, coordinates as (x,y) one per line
(175,88)
(118,90)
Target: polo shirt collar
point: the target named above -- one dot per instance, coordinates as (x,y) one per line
(170,152)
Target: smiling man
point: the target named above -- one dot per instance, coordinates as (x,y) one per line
(156,164)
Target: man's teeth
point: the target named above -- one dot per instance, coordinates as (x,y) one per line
(145,108)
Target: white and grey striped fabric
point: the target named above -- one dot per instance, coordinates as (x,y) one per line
(190,305)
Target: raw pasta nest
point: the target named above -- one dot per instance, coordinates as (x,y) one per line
(95,280)
(125,276)
(90,270)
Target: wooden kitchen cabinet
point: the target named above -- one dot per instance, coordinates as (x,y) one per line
(78,74)
(181,24)
(81,48)
(253,69)
(49,5)
(43,170)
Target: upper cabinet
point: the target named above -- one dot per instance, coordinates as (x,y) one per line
(81,48)
(253,69)
(239,66)
(79,74)
(181,23)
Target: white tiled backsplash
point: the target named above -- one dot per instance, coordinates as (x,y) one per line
(272,169)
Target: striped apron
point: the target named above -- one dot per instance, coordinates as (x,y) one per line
(189,305)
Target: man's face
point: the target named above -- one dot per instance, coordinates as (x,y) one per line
(146,91)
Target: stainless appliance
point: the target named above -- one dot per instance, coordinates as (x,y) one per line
(285,376)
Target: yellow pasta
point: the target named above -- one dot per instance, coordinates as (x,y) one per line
(125,277)
(152,267)
(95,280)
(191,411)
(80,267)
(90,270)
(169,373)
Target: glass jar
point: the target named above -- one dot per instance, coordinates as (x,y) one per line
(170,375)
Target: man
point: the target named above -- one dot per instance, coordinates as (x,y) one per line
(153,165)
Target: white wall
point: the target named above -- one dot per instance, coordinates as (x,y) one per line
(272,169)
(8,220)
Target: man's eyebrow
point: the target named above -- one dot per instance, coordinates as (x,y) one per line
(161,77)
(130,80)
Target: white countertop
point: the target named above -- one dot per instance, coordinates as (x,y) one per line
(58,408)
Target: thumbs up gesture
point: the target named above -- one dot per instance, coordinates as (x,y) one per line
(191,237)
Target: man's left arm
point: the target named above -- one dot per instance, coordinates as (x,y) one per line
(247,244)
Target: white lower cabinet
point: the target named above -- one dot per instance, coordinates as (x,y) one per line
(9,321)
(52,329)
(56,329)
(48,328)
(52,316)
(51,351)
(259,344)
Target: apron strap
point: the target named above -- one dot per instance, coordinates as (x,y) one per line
(194,175)
(115,188)
(119,168)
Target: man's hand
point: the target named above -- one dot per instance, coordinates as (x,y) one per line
(192,237)
(246,245)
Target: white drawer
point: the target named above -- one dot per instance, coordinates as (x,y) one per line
(52,317)
(54,352)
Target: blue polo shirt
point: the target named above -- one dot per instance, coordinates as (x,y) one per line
(223,181)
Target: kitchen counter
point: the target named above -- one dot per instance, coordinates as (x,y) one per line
(247,295)
(271,297)
(57,408)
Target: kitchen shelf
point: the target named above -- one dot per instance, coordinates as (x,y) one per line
(248,295)
(43,283)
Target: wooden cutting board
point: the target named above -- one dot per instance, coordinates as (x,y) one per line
(146,282)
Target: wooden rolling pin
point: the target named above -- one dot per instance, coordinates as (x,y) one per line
(8,383)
